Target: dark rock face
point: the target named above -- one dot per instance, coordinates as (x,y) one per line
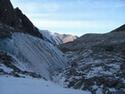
(5,31)
(97,61)
(16,19)
(26,25)
(6,12)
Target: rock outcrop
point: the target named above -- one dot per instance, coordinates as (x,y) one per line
(16,19)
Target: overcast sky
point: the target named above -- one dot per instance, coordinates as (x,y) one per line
(75,17)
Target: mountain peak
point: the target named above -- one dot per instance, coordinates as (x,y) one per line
(6,12)
(16,19)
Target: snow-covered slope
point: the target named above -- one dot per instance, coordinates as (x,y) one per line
(50,37)
(11,85)
(35,54)
(22,45)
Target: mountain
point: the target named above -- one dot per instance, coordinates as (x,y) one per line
(22,47)
(30,58)
(97,62)
(56,38)
(28,62)
(16,19)
(65,38)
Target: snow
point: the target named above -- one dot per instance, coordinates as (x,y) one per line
(6,69)
(95,71)
(11,85)
(51,37)
(99,91)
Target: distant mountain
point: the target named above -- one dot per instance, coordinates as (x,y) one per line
(56,38)
(66,37)
(97,62)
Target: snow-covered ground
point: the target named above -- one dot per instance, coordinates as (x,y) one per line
(11,85)
(5,68)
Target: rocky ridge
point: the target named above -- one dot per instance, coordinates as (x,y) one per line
(16,19)
(97,62)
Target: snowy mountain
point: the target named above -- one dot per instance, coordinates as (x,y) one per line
(97,62)
(31,58)
(34,54)
(56,38)
(23,44)
(26,55)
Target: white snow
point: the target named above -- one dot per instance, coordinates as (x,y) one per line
(51,37)
(5,69)
(11,85)
(99,91)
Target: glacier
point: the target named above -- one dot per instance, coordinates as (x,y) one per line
(34,54)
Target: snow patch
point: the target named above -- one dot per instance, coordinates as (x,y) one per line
(5,69)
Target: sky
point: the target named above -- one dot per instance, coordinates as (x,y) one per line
(76,17)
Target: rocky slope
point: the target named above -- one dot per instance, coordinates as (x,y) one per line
(97,62)
(22,47)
